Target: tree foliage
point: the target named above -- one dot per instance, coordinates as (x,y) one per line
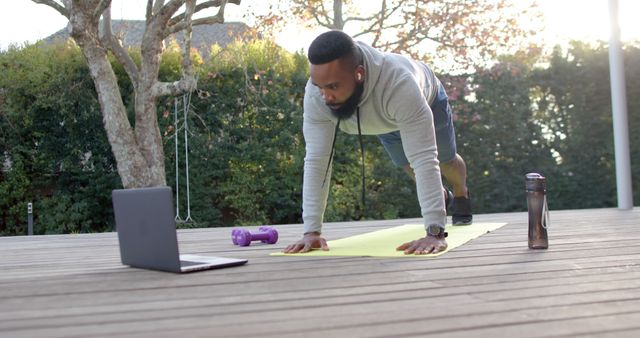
(463,33)
(575,100)
(499,136)
(56,154)
(247,148)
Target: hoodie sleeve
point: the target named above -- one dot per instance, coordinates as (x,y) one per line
(406,101)
(318,130)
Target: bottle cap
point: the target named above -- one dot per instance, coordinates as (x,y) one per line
(535,182)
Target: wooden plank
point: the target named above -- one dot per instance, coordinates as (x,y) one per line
(491,286)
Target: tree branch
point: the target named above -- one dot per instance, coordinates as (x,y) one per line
(109,40)
(51,3)
(380,19)
(210,20)
(101,7)
(123,57)
(359,18)
(320,15)
(187,66)
(185,22)
(173,88)
(157,6)
(213,3)
(216,19)
(338,22)
(107,32)
(164,13)
(201,21)
(149,9)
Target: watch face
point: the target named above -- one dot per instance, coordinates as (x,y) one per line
(434,230)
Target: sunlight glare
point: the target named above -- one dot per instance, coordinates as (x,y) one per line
(588,20)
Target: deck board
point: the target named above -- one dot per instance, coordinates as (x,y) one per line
(586,284)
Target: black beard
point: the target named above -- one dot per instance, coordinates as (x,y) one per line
(347,109)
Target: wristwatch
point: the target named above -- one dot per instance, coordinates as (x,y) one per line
(437,231)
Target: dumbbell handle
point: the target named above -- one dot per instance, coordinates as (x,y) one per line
(259,236)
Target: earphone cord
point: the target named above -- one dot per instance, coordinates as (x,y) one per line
(333,147)
(362,156)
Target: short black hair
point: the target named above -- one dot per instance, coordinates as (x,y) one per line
(332,45)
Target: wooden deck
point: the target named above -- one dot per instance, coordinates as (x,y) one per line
(586,284)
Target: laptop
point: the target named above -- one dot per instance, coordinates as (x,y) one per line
(146,228)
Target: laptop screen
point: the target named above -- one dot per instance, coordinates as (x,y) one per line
(146,228)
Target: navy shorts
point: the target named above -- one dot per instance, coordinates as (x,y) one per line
(445,134)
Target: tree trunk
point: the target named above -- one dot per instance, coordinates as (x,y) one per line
(147,131)
(131,151)
(338,20)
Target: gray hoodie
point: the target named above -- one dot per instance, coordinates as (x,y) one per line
(397,95)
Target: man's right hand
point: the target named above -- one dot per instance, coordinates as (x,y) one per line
(309,241)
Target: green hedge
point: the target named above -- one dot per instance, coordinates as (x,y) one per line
(246,147)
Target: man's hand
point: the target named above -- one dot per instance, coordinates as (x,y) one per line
(309,241)
(423,246)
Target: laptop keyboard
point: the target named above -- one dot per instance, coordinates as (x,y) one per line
(189,263)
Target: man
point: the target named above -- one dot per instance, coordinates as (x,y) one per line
(359,90)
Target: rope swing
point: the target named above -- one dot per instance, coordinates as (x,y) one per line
(186,101)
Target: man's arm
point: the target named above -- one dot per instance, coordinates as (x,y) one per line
(318,130)
(415,121)
(423,160)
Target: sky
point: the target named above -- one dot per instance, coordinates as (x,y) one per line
(25,21)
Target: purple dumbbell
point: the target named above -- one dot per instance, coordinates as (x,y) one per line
(244,237)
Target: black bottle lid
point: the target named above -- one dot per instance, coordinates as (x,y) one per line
(536,182)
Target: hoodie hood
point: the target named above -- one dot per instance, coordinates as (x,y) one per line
(373,62)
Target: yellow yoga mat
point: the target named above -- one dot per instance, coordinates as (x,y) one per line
(383,243)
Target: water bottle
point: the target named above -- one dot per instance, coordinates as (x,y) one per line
(538,212)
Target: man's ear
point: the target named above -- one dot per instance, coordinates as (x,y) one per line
(360,73)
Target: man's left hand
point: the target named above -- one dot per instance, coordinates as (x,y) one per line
(423,246)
